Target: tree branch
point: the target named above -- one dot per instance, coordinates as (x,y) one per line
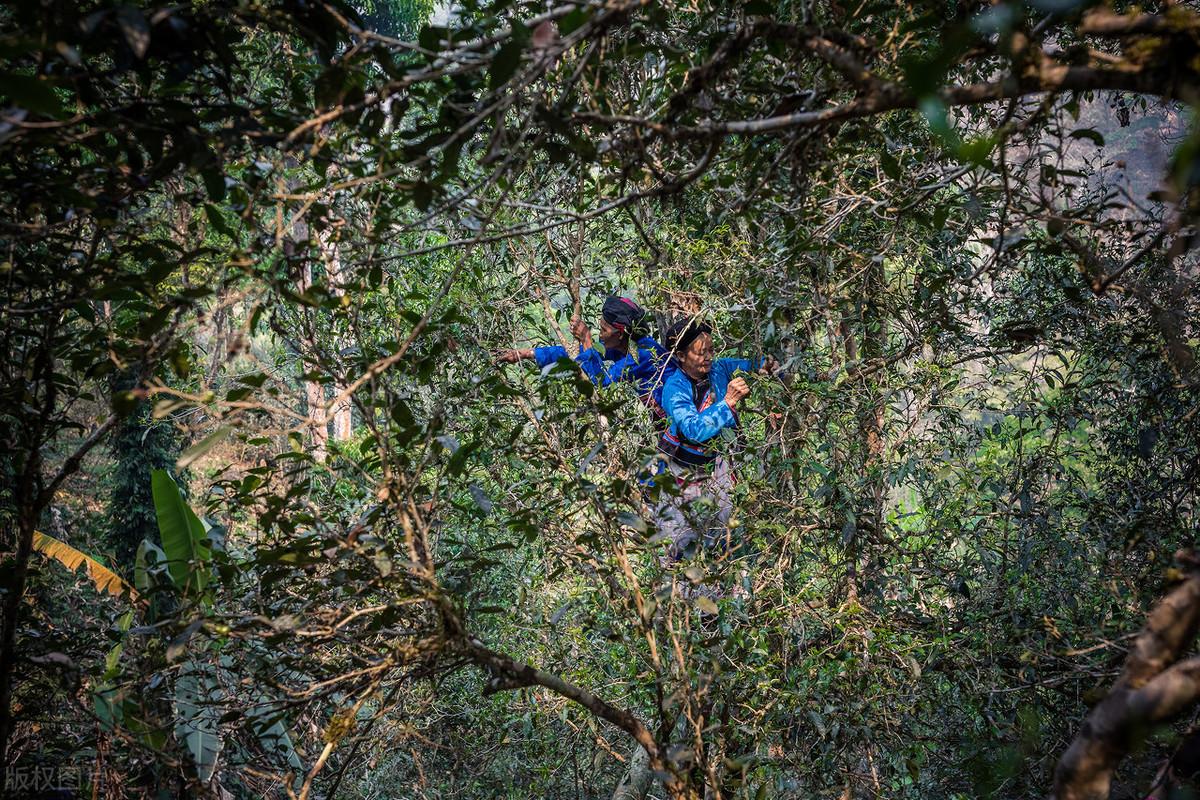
(1153,688)
(512,674)
(75,459)
(1106,22)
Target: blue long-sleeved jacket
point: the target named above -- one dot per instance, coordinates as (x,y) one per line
(548,354)
(692,423)
(649,369)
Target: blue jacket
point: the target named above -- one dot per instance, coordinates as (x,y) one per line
(698,424)
(649,369)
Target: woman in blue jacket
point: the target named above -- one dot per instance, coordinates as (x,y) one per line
(700,399)
(621,321)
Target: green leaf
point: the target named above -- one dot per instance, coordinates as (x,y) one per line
(112,661)
(196,717)
(505,63)
(939,216)
(135,28)
(267,724)
(431,37)
(422,195)
(214,182)
(934,111)
(217,220)
(150,559)
(181,361)
(891,167)
(328,87)
(977,150)
(458,461)
(631,520)
(136,719)
(189,456)
(107,706)
(573,20)
(124,403)
(184,540)
(105,697)
(1091,134)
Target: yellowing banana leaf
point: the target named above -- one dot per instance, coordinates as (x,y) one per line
(104,578)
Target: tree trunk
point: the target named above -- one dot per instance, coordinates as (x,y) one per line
(29,499)
(314,395)
(342,419)
(874,341)
(635,784)
(1154,687)
(26,524)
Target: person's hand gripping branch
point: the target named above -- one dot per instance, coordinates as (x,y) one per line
(512,355)
(735,391)
(581,333)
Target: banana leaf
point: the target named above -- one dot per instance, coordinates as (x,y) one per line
(184,538)
(101,576)
(196,718)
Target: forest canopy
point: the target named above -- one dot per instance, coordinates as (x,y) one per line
(285,513)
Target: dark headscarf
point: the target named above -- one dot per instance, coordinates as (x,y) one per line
(623,314)
(681,335)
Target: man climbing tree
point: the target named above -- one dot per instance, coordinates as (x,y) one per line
(622,323)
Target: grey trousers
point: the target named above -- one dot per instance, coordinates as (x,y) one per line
(700,513)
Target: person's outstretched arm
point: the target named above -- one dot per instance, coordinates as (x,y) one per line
(513,354)
(548,354)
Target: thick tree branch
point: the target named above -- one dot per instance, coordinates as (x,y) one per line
(1162,68)
(893,97)
(508,673)
(1152,689)
(1106,22)
(834,47)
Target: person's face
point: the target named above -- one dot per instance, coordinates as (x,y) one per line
(613,338)
(697,359)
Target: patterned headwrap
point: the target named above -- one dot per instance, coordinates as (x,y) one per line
(623,314)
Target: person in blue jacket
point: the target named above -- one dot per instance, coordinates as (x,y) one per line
(622,321)
(700,399)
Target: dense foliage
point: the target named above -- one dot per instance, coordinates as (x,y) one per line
(257,260)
